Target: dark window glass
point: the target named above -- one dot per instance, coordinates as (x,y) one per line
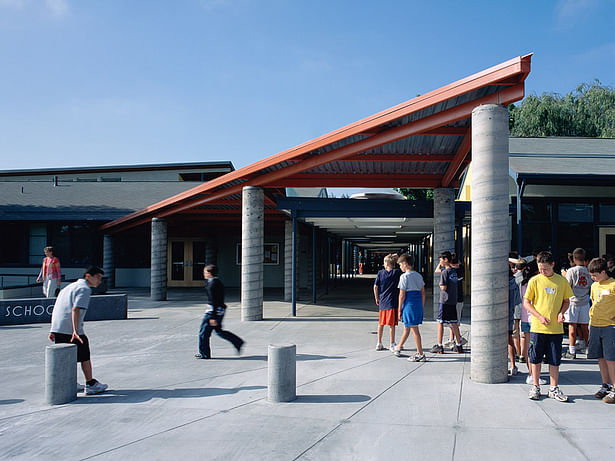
(198,258)
(575,212)
(536,212)
(537,237)
(76,244)
(132,248)
(13,243)
(607,212)
(574,235)
(177,260)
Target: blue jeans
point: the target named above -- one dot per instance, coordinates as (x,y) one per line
(205,334)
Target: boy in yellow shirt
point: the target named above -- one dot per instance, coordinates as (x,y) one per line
(602,327)
(546,298)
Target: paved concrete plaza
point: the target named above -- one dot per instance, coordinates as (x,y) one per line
(354,403)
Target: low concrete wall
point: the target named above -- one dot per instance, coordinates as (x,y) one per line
(38,310)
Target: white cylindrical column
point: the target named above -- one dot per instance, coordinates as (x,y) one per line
(158,289)
(282,373)
(252,247)
(108,261)
(443,233)
(60,373)
(288,261)
(490,244)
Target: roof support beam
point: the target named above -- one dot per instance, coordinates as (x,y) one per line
(460,156)
(366,180)
(398,158)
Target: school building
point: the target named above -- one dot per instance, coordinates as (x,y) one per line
(271,225)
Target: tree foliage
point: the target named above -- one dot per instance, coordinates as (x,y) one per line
(589,111)
(416,194)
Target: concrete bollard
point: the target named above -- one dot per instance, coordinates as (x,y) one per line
(60,373)
(282,370)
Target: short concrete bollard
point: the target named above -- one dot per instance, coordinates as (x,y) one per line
(282,368)
(60,373)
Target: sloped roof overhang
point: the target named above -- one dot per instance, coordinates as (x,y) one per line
(422,143)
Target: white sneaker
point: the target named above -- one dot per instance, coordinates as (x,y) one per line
(396,352)
(96,388)
(392,347)
(530,381)
(534,393)
(513,371)
(557,394)
(379,347)
(449,343)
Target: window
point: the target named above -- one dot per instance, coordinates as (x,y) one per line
(132,248)
(76,244)
(607,212)
(13,243)
(576,212)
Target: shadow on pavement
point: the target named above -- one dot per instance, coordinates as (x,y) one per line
(11,401)
(300,357)
(332,398)
(145,395)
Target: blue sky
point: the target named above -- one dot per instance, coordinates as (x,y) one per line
(110,82)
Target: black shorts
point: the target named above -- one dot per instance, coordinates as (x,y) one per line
(447,313)
(543,344)
(83,350)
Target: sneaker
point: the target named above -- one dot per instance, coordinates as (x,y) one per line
(557,394)
(396,352)
(530,381)
(609,398)
(96,388)
(522,359)
(513,371)
(392,347)
(418,358)
(463,341)
(437,349)
(534,393)
(459,349)
(569,355)
(199,356)
(80,387)
(603,391)
(379,347)
(449,343)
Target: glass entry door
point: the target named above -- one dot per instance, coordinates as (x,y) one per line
(186,260)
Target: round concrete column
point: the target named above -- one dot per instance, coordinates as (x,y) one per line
(288,261)
(60,373)
(158,290)
(252,243)
(108,261)
(282,373)
(490,244)
(443,233)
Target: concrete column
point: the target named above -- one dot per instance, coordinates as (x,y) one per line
(60,373)
(282,373)
(252,247)
(443,233)
(108,261)
(490,244)
(288,261)
(158,289)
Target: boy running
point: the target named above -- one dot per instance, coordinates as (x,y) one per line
(411,302)
(602,327)
(546,298)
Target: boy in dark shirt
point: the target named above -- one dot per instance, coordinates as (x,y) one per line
(447,311)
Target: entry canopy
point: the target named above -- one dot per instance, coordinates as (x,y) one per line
(422,143)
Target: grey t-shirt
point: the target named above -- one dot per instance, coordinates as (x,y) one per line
(411,281)
(580,281)
(77,294)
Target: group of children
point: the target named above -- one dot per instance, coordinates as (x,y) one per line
(540,302)
(403,287)
(549,301)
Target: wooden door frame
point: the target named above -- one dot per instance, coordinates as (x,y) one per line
(188,263)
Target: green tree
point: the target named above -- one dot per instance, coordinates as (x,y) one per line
(416,194)
(589,111)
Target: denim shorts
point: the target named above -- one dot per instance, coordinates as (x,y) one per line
(601,343)
(543,344)
(525,327)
